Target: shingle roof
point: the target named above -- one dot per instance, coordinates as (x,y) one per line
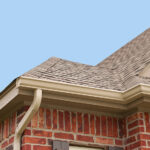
(119,71)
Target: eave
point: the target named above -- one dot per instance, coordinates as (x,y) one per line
(82,96)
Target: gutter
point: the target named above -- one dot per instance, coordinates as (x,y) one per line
(27,118)
(67,88)
(118,100)
(114,96)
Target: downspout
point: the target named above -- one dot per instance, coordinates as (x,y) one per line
(27,118)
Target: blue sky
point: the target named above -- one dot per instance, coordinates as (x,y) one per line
(85,31)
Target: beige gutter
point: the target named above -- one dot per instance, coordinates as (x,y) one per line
(67,88)
(114,96)
(27,118)
(120,100)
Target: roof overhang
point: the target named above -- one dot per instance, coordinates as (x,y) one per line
(82,96)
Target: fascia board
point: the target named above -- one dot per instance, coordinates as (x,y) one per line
(113,96)
(8,96)
(110,95)
(122,98)
(136,92)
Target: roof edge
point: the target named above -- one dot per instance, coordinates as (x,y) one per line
(54,86)
(8,88)
(123,98)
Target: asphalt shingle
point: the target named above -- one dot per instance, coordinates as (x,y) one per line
(119,71)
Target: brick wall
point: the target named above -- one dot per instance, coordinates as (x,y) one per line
(138,131)
(131,132)
(53,124)
(7,130)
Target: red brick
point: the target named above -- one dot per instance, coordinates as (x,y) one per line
(137,144)
(115,127)
(13,123)
(79,118)
(11,140)
(140,122)
(74,122)
(122,127)
(41,118)
(4,144)
(10,125)
(136,130)
(64,136)
(27,132)
(67,121)
(147,122)
(97,125)
(130,140)
(29,124)
(120,123)
(127,148)
(42,133)
(26,108)
(37,147)
(144,148)
(135,116)
(34,140)
(135,123)
(118,142)
(48,119)
(86,124)
(85,138)
(143,143)
(61,120)
(26,147)
(148,142)
(104,140)
(140,115)
(34,121)
(92,124)
(110,126)
(143,137)
(54,119)
(104,125)
(6,129)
